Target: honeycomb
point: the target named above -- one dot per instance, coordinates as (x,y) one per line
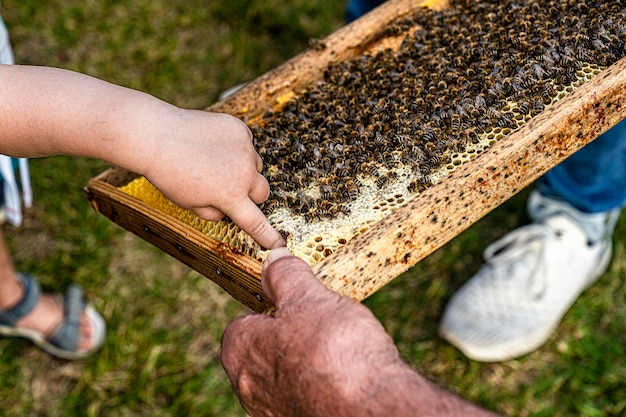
(380,128)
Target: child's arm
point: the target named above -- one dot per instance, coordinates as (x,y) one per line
(202,161)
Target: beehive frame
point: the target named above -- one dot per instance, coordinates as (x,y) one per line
(370,260)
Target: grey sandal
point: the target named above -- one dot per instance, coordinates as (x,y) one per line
(63,343)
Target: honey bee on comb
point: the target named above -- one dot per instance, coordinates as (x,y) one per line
(381,127)
(460,79)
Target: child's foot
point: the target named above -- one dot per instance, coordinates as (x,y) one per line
(62,326)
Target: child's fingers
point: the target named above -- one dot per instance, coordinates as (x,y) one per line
(209,213)
(259,163)
(260,191)
(249,217)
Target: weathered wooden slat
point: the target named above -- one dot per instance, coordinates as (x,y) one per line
(443,211)
(390,247)
(238,274)
(349,41)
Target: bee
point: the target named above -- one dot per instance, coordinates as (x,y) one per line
(432,148)
(598,44)
(538,71)
(312,169)
(324,205)
(580,38)
(547,92)
(465,106)
(352,189)
(473,137)
(535,7)
(342,172)
(405,157)
(389,160)
(480,102)
(418,154)
(548,59)
(553,11)
(297,180)
(505,121)
(538,105)
(567,58)
(342,208)
(425,182)
(453,142)
(284,234)
(296,157)
(581,7)
(400,139)
(278,195)
(470,72)
(429,135)
(524,107)
(482,123)
(392,175)
(325,163)
(303,201)
(369,168)
(327,192)
(493,113)
(435,160)
(269,207)
(379,139)
(455,122)
(584,54)
(416,104)
(337,209)
(606,58)
(317,154)
(382,181)
(313,215)
(292,105)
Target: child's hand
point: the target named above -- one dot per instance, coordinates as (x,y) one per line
(206,162)
(202,161)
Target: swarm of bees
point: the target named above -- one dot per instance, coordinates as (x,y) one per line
(457,74)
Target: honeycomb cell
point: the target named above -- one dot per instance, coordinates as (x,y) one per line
(378,129)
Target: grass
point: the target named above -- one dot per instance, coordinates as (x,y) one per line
(165,321)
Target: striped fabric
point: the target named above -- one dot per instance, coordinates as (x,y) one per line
(15,191)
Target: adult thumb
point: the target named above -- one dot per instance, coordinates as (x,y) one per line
(287,278)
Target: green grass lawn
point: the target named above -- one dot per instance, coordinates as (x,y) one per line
(165,321)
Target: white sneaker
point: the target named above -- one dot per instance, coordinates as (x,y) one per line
(531,278)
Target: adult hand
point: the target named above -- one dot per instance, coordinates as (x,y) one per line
(312,356)
(322,354)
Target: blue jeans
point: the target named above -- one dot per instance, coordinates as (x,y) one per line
(357,8)
(593,179)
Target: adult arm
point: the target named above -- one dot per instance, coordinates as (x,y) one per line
(202,161)
(322,354)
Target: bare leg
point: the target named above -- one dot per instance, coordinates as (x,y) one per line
(10,289)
